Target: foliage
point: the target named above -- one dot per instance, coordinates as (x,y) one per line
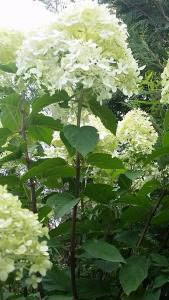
(99,182)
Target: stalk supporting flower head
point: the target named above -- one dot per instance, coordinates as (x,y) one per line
(86,47)
(20,248)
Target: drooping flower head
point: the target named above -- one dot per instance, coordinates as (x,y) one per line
(136,134)
(20,248)
(165,85)
(86,47)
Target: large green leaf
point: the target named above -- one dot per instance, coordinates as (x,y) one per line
(9,68)
(160,280)
(133,273)
(159,260)
(124,182)
(59,297)
(83,139)
(152,295)
(148,295)
(42,120)
(41,133)
(104,161)
(57,280)
(11,116)
(50,167)
(62,203)
(4,134)
(10,180)
(103,250)
(46,100)
(162,218)
(105,114)
(43,212)
(134,214)
(99,192)
(148,188)
(69,148)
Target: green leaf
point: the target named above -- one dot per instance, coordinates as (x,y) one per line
(62,203)
(42,120)
(41,133)
(156,154)
(128,238)
(124,182)
(105,114)
(160,281)
(9,68)
(46,100)
(133,273)
(43,212)
(166,121)
(4,134)
(104,161)
(136,200)
(148,295)
(11,157)
(103,250)
(134,214)
(57,280)
(59,297)
(159,260)
(152,295)
(11,117)
(148,188)
(50,167)
(162,218)
(165,139)
(83,139)
(10,180)
(99,192)
(69,148)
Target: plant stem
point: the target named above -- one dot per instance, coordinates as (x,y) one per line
(148,223)
(1,292)
(28,161)
(74,214)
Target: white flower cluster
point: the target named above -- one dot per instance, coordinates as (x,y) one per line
(149,172)
(165,85)
(136,134)
(10,41)
(85,48)
(20,248)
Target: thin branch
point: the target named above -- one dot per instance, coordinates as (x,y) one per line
(28,161)
(74,215)
(148,223)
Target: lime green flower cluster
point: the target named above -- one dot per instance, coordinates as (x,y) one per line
(136,134)
(10,42)
(86,47)
(165,85)
(20,248)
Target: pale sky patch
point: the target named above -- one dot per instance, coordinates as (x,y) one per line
(23,15)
